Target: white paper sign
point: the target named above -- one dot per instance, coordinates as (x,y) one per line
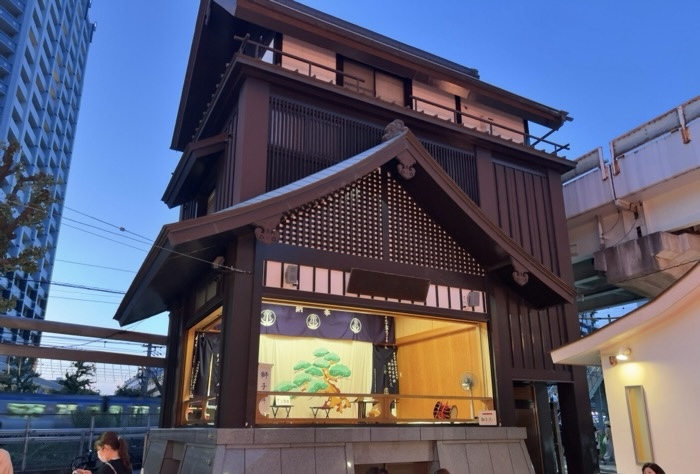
(264,382)
(488,418)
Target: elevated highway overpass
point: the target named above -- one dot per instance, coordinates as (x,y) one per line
(634,219)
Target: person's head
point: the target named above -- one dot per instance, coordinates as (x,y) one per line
(111,446)
(652,468)
(377,470)
(442,470)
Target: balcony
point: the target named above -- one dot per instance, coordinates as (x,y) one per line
(480,123)
(14,7)
(7,44)
(8,24)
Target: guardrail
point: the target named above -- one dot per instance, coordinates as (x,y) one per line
(311,408)
(52,450)
(374,408)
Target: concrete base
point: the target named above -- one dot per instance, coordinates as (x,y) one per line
(337,450)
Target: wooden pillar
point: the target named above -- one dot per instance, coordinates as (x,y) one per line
(240,336)
(250,169)
(170,395)
(501,355)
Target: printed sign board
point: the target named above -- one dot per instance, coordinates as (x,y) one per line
(488,418)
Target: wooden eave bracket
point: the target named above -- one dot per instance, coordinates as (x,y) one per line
(405,165)
(520,274)
(266,230)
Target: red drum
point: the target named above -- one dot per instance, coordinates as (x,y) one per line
(443,411)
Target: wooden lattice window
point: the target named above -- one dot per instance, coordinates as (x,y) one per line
(350,221)
(347,221)
(416,239)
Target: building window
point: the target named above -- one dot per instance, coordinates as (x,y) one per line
(369,81)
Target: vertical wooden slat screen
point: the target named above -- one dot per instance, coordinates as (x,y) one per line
(304,139)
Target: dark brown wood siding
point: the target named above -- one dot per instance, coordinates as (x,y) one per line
(525,211)
(533,334)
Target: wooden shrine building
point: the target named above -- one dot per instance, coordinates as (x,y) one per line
(371,264)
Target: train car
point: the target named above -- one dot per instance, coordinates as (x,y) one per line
(41,410)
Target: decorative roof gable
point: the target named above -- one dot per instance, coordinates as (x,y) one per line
(403,159)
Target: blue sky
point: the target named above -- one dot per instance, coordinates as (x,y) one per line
(611,65)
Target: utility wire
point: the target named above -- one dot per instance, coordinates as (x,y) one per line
(106,238)
(122,229)
(95,266)
(139,240)
(84,299)
(147,241)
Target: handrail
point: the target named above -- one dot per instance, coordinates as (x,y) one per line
(245,40)
(383,408)
(557,147)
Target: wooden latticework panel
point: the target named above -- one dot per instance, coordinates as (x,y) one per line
(347,221)
(350,221)
(415,239)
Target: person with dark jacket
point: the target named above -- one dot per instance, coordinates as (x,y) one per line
(113,451)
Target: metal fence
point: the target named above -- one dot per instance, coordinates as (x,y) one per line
(52,450)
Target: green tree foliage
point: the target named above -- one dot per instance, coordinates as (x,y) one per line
(124,391)
(19,376)
(79,381)
(25,200)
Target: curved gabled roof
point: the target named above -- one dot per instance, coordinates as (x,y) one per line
(193,244)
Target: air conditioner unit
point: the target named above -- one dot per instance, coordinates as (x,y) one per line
(291,275)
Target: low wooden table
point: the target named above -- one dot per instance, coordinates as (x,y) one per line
(275,409)
(315,411)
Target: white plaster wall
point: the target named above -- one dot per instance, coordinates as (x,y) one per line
(665,361)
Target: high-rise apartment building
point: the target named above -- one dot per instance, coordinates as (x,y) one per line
(43,52)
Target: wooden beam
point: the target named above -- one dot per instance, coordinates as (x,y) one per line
(79,355)
(14,322)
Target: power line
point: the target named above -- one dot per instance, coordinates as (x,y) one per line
(106,238)
(122,229)
(140,240)
(83,299)
(64,291)
(95,266)
(149,241)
